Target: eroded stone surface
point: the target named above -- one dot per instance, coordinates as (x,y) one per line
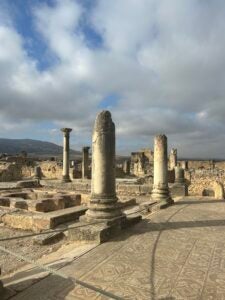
(103,204)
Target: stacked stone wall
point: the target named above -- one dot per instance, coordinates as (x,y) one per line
(10,172)
(199,180)
(51,170)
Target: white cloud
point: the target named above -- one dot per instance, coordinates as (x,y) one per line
(165,60)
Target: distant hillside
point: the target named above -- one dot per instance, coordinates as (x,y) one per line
(32,147)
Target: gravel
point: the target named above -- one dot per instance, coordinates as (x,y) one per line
(25,246)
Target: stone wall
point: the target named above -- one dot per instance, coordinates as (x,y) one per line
(17,171)
(51,169)
(201,164)
(10,172)
(141,162)
(199,180)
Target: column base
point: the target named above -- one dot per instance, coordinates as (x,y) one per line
(103,208)
(66,179)
(101,232)
(162,196)
(102,222)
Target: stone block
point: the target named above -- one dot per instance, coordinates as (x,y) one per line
(84,187)
(37,222)
(130,189)
(68,200)
(178,190)
(4,201)
(46,239)
(101,232)
(19,194)
(145,189)
(92,233)
(18,219)
(40,205)
(28,183)
(18,203)
(52,219)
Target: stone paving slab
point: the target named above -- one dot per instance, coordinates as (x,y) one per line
(178,254)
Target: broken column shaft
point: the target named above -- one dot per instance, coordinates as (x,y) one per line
(173,159)
(103,204)
(160,192)
(66,154)
(104,217)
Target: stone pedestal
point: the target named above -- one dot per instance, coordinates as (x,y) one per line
(160,192)
(179,175)
(66,154)
(85,162)
(104,207)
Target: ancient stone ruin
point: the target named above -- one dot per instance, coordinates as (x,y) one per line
(96,196)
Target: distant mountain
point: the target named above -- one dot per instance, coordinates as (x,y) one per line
(32,147)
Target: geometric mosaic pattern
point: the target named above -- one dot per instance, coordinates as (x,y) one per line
(177,254)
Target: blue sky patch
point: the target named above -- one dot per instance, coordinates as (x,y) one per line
(109,101)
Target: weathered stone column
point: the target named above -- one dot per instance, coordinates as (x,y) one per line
(85,157)
(66,154)
(160,192)
(173,159)
(103,204)
(104,217)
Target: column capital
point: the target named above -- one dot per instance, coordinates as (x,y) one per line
(85,148)
(66,131)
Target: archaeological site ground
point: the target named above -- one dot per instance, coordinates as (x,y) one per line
(148,226)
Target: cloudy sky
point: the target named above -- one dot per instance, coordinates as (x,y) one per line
(157,65)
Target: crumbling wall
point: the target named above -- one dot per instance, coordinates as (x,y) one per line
(51,169)
(202,179)
(15,171)
(141,162)
(10,172)
(201,164)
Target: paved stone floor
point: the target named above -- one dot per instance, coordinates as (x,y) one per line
(179,253)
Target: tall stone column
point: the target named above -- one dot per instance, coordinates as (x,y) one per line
(103,204)
(66,154)
(160,192)
(85,161)
(173,159)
